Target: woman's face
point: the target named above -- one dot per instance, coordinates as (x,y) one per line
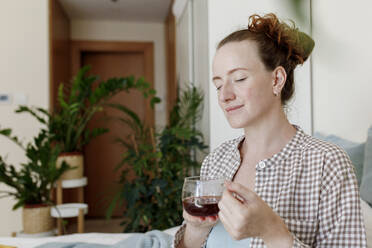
(244,85)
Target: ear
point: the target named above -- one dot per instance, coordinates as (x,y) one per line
(280,76)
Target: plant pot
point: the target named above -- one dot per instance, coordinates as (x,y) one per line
(37,219)
(74,159)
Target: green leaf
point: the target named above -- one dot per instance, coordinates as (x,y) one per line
(31,111)
(152,187)
(6,132)
(61,97)
(112,205)
(154,101)
(152,92)
(127,111)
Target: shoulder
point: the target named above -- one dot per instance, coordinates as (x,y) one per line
(334,162)
(222,158)
(327,150)
(228,147)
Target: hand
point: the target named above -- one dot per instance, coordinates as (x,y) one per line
(197,229)
(200,222)
(244,214)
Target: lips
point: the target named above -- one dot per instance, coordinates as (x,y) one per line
(232,108)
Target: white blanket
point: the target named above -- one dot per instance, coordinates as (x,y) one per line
(113,238)
(96,238)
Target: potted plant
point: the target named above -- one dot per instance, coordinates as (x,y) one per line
(77,106)
(160,162)
(33,181)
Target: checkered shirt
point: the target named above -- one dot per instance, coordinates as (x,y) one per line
(310,184)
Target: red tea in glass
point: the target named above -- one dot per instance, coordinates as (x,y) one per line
(202,206)
(200,196)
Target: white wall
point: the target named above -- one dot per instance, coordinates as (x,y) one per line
(225,17)
(192,54)
(24,69)
(131,31)
(184,47)
(201,59)
(342,68)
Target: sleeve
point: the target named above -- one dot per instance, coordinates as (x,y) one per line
(179,235)
(340,222)
(204,170)
(181,232)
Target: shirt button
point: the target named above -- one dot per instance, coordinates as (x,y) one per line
(261,165)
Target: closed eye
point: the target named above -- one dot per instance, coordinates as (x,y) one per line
(240,80)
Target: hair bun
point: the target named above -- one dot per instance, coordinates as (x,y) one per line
(307,44)
(295,44)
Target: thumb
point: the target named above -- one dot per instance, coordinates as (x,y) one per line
(239,191)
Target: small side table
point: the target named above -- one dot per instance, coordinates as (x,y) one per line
(70,210)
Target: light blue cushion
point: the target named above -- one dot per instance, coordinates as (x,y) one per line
(354,150)
(366,187)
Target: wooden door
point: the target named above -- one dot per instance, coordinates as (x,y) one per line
(59,51)
(102,154)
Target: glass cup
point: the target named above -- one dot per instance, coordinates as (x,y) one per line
(200,196)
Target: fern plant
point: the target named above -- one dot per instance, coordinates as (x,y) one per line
(160,162)
(79,103)
(33,182)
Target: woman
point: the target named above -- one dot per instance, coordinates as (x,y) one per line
(287,188)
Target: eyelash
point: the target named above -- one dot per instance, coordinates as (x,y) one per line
(240,80)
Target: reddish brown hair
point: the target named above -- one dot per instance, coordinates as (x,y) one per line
(279,44)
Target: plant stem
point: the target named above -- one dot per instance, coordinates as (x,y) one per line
(134,144)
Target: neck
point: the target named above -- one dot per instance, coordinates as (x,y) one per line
(267,136)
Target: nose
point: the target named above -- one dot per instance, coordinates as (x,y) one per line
(226,93)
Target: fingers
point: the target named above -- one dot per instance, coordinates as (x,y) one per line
(229,226)
(225,221)
(212,218)
(188,216)
(234,211)
(232,201)
(199,221)
(243,193)
(228,204)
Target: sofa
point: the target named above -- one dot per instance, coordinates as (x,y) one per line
(361,156)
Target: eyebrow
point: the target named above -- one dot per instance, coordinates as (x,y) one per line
(230,72)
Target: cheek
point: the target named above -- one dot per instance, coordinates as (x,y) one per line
(248,94)
(256,94)
(219,100)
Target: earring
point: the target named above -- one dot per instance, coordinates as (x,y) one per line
(275,93)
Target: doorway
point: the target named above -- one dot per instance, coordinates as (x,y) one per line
(67,56)
(111,59)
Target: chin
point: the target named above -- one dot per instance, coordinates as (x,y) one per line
(237,124)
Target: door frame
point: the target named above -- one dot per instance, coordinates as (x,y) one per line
(147,48)
(170,40)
